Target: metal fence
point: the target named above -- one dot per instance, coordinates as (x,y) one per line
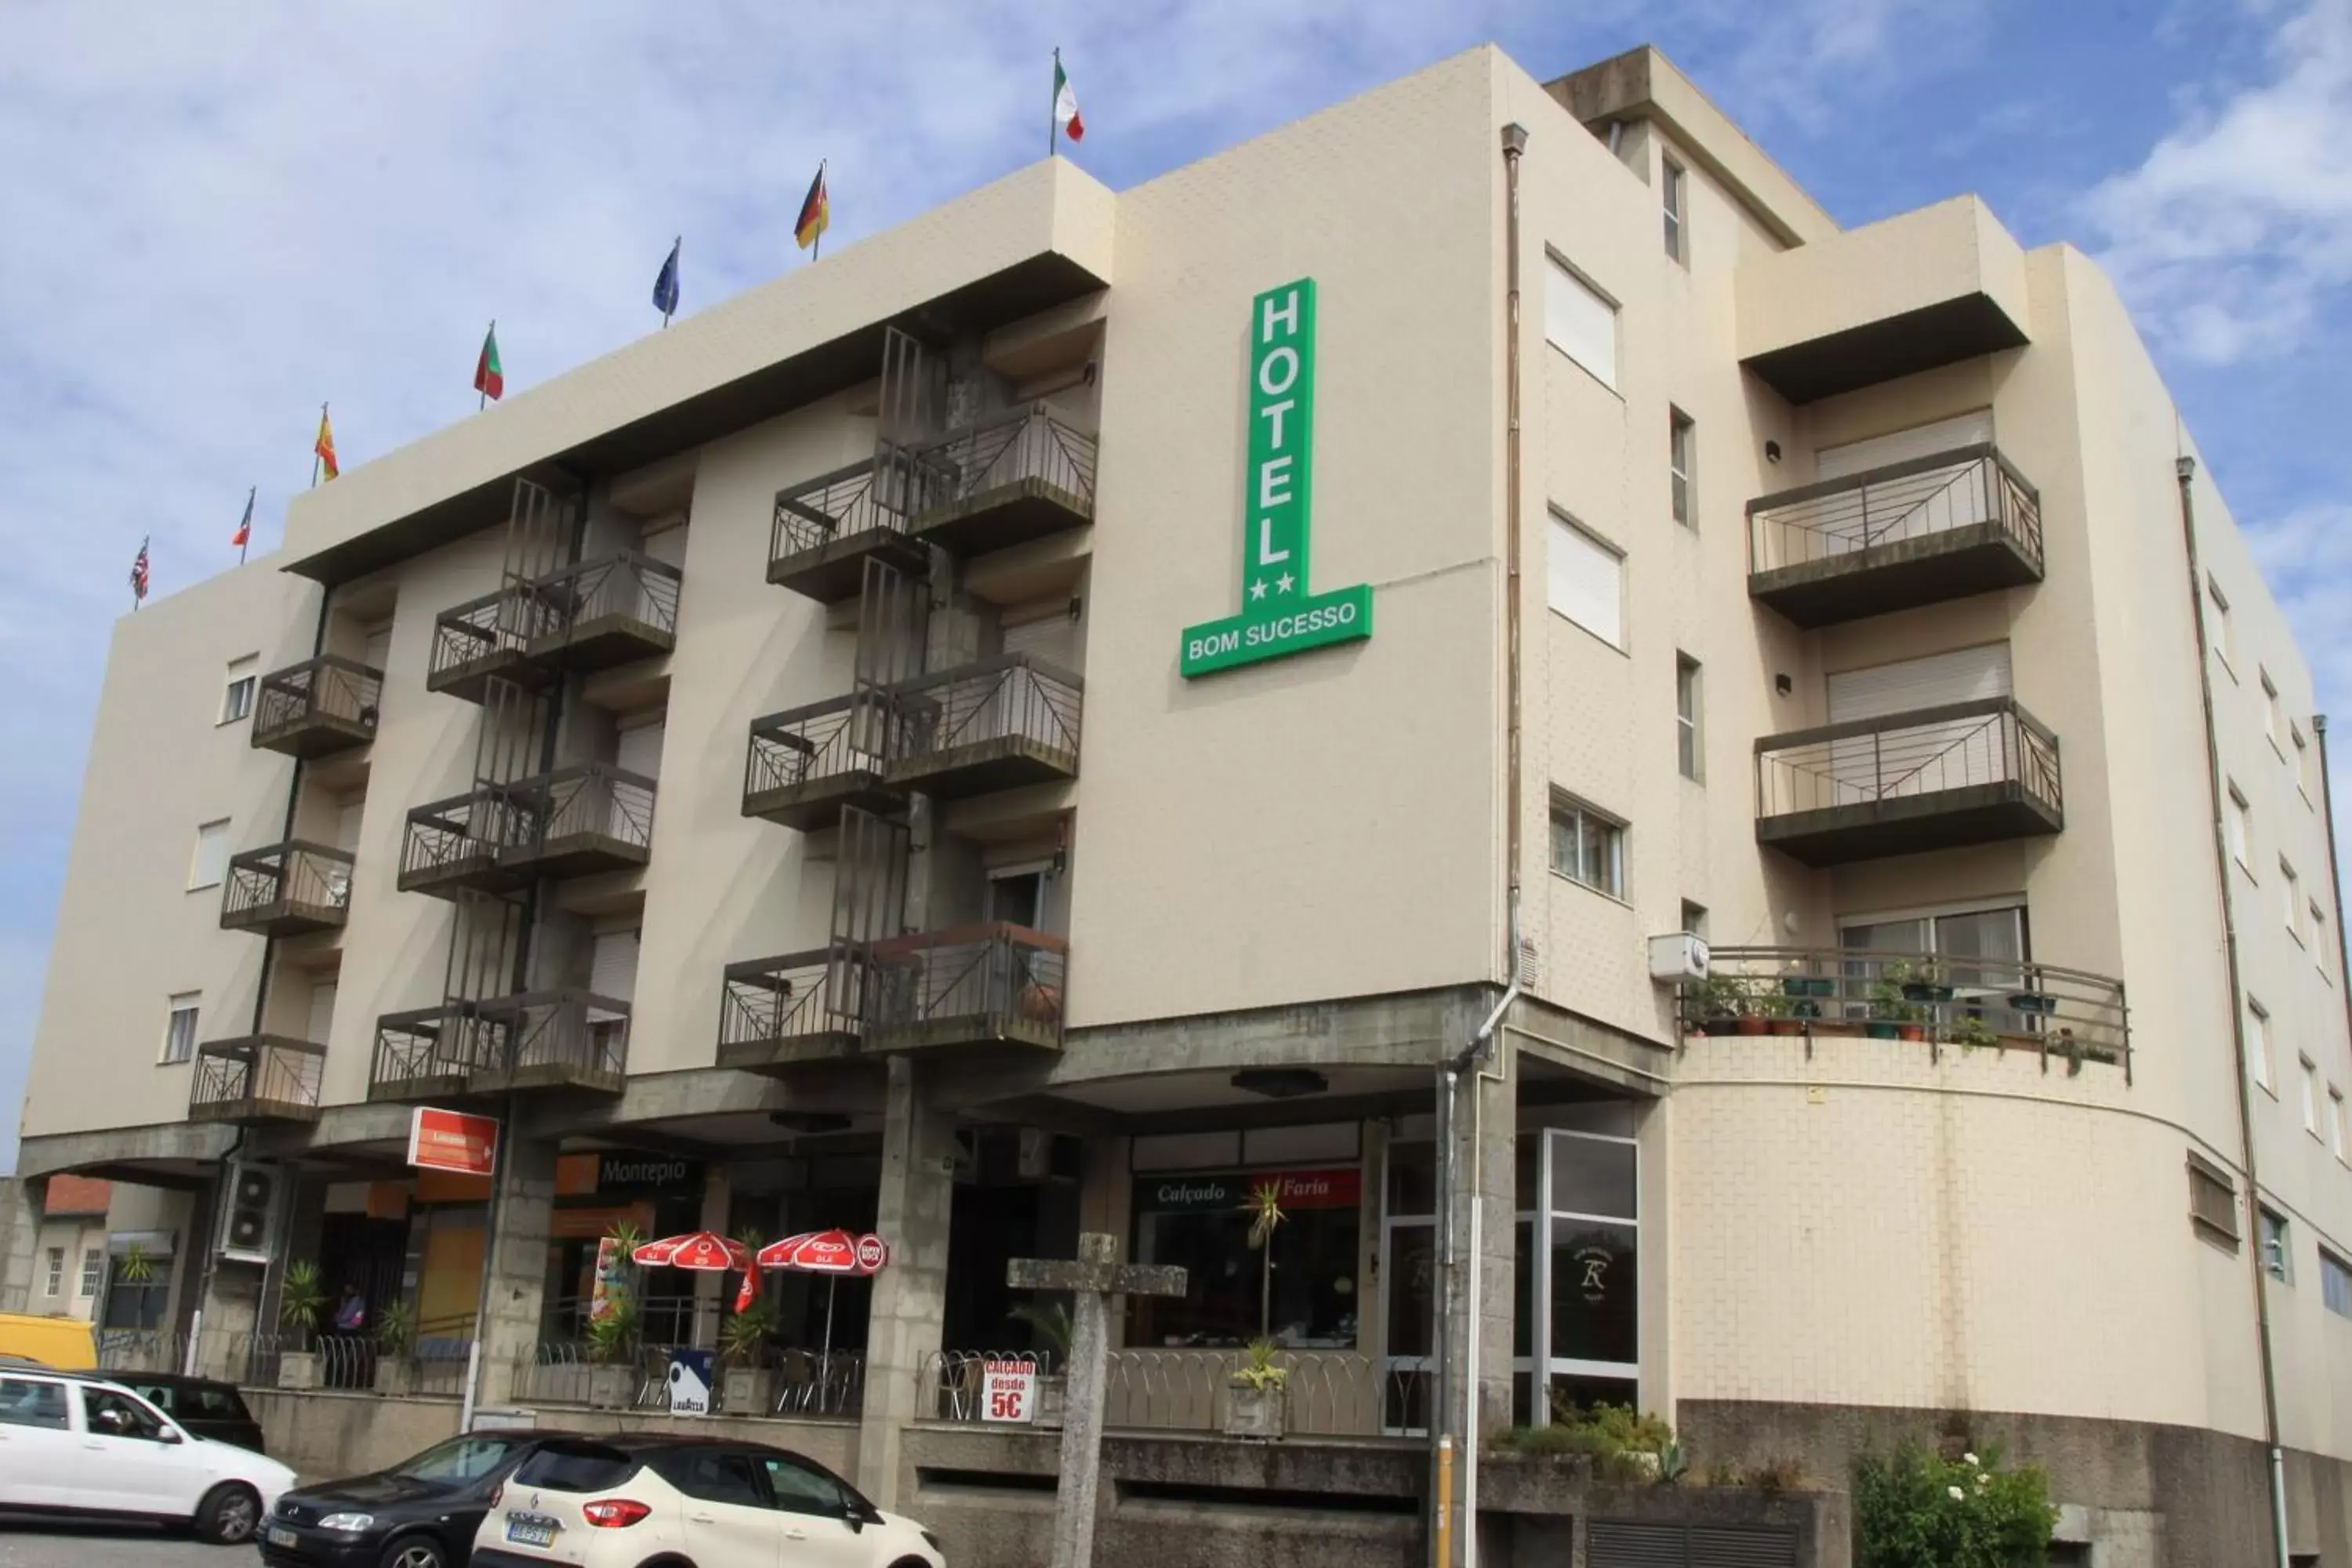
(328,686)
(625,586)
(1336,1393)
(586,800)
(429,1049)
(1902,501)
(1864,762)
(846,734)
(571,1034)
(309,880)
(1025,445)
(461,835)
(256,1072)
(798,996)
(876,494)
(992,970)
(1010,696)
(792,1382)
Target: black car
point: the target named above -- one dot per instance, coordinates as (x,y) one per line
(421,1513)
(205,1406)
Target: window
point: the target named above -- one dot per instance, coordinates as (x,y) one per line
(93,1268)
(2270,710)
(2303,778)
(1201,1221)
(2216,631)
(108,1414)
(1694,918)
(27,1403)
(2278,1247)
(237,696)
(1588,581)
(2213,1203)
(179,1026)
(1687,715)
(1682,462)
(2334,1283)
(2310,1098)
(2292,887)
(2240,825)
(804,1488)
(56,1272)
(209,864)
(2319,938)
(1587,846)
(715,1477)
(1580,323)
(2336,1121)
(1670,191)
(2258,1046)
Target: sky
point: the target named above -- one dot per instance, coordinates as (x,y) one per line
(217,216)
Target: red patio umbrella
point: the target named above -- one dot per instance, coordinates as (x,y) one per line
(704,1252)
(832,1253)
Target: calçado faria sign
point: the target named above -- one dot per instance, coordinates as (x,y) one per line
(1280,615)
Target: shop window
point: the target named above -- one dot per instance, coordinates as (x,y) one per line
(1201,1222)
(1584,1275)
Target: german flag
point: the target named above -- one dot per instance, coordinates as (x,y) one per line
(817,213)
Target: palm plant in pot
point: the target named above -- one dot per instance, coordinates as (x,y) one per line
(301,1302)
(747,1385)
(612,1327)
(1052,1323)
(395,1345)
(1254,1406)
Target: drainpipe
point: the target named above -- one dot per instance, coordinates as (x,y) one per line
(2334,877)
(1471,1056)
(2185,470)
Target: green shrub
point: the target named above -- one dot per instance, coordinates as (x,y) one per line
(1623,1445)
(1914,1508)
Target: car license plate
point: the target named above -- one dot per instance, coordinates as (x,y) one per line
(278,1535)
(531,1529)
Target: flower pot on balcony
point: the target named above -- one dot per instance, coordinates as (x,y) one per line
(1784,1025)
(397,1376)
(1919,991)
(2033,1002)
(1750,1026)
(1053,1394)
(1808,985)
(1041,1003)
(1841,1028)
(1877,1030)
(1913,1031)
(612,1388)
(298,1369)
(748,1391)
(1254,1413)
(1714,1027)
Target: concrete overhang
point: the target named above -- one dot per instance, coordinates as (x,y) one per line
(1924,288)
(182,1154)
(1036,239)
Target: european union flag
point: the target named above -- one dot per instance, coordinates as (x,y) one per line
(665,286)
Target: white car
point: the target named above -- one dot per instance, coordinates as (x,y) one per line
(622,1502)
(73,1443)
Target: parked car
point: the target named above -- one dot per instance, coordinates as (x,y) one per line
(205,1405)
(421,1513)
(77,1444)
(618,1502)
(63,1342)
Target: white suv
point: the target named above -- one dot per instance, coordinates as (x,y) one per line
(619,1502)
(77,1444)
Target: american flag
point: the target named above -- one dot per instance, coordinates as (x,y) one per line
(139,575)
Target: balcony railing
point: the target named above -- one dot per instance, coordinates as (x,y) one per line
(1935,528)
(480,638)
(825,528)
(459,843)
(578,821)
(425,1054)
(551,1039)
(1017,477)
(997,724)
(807,764)
(801,1007)
(1944,1000)
(286,889)
(320,706)
(990,984)
(611,610)
(1935,778)
(262,1078)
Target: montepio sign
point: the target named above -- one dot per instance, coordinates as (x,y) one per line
(1280,615)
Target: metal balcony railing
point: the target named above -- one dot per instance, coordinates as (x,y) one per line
(1006,705)
(568,1037)
(319,705)
(482,636)
(459,842)
(1011,462)
(1900,502)
(823,527)
(602,608)
(589,811)
(262,1078)
(2010,1003)
(802,1006)
(426,1052)
(1866,761)
(966,986)
(286,888)
(796,755)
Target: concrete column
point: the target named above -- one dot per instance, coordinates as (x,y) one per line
(712,1294)
(1484,1136)
(516,1262)
(21,1214)
(902,1335)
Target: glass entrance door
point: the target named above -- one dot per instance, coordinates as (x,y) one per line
(1582,1309)
(1408,1260)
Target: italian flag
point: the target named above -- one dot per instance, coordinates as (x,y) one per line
(1066,103)
(490,376)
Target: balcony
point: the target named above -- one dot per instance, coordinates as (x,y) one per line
(1937,778)
(590,616)
(579,821)
(1018,477)
(995,725)
(804,765)
(428,1054)
(262,1078)
(780,1013)
(1942,1000)
(1935,528)
(826,528)
(317,708)
(287,889)
(550,1040)
(968,986)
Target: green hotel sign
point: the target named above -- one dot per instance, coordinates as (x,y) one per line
(1279,615)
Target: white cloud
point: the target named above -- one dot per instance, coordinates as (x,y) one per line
(2231,234)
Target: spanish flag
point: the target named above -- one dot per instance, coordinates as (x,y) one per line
(817,213)
(323,448)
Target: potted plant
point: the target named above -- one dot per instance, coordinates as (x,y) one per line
(746,1387)
(1808,985)
(1886,1011)
(1052,1325)
(1264,1209)
(1921,982)
(395,1344)
(1254,1406)
(613,1356)
(1715,1004)
(301,1300)
(1971,1032)
(1780,1014)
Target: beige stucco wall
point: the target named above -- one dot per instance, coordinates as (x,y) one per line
(1952,250)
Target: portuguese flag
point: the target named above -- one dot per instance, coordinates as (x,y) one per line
(490,376)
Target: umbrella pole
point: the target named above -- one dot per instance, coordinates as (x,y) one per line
(830,1283)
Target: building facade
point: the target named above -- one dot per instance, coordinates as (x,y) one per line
(879,755)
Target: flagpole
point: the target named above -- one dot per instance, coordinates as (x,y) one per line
(1054,109)
(245,543)
(816,246)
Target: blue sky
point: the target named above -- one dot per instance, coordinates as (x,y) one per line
(219,215)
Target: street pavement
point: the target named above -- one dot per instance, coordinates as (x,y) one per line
(25,1544)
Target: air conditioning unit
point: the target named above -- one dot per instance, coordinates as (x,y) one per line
(249,1205)
(1678,956)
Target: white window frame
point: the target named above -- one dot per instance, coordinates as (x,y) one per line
(2221,621)
(2310,1095)
(200,874)
(1559,330)
(1616,829)
(2278,1261)
(176,1051)
(2335,1124)
(237,690)
(93,1272)
(1567,534)
(57,1273)
(2270,711)
(1674,199)
(2259,1058)
(1690,718)
(1681,467)
(2241,826)
(2302,763)
(2334,1283)
(2294,891)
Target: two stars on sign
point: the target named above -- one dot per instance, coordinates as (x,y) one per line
(1281,584)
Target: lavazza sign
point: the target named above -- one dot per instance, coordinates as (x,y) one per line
(1279,615)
